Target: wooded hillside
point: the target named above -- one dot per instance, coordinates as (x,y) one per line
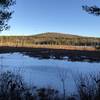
(49,39)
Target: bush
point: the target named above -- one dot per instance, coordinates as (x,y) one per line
(13,88)
(89,87)
(48,94)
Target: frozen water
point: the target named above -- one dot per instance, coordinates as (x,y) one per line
(46,72)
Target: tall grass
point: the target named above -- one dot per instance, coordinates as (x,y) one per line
(89,87)
(13,87)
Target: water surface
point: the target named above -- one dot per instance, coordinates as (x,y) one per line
(46,72)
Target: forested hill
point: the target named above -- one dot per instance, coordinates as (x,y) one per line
(56,35)
(49,38)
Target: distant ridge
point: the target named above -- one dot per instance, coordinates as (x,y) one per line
(56,34)
(61,35)
(52,35)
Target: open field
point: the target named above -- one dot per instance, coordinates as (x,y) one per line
(65,47)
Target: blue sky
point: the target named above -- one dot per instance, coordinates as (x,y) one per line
(66,16)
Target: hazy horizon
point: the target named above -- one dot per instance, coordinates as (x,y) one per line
(47,32)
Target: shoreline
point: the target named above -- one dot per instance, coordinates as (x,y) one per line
(50,53)
(55,47)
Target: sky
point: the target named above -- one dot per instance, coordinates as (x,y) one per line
(64,16)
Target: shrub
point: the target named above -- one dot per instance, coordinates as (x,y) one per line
(13,88)
(89,87)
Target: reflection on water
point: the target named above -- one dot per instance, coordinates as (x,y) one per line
(46,72)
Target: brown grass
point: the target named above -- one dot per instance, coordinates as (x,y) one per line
(65,47)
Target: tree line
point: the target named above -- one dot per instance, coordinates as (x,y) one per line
(34,40)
